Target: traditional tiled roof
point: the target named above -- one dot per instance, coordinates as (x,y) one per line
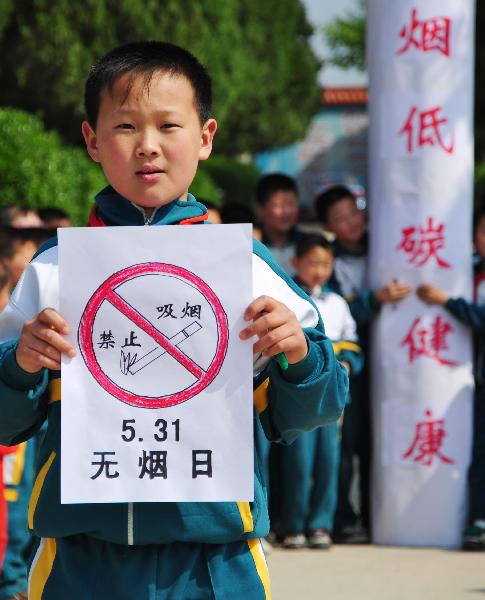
(343,95)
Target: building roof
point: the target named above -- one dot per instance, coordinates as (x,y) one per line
(338,96)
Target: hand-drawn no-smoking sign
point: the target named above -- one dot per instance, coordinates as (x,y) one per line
(182,305)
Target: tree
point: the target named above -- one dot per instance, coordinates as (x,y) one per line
(264,72)
(38,170)
(346,38)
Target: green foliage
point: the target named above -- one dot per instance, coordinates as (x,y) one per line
(204,186)
(264,72)
(346,39)
(38,170)
(236,181)
(479,184)
(6,10)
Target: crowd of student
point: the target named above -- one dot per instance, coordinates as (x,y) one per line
(313,501)
(313,497)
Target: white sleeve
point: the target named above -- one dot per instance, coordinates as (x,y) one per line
(349,328)
(267,282)
(38,288)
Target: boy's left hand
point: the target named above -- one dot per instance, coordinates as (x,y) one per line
(277,328)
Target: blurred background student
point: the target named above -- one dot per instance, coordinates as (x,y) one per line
(311,462)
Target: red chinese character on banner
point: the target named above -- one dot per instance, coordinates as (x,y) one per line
(428,342)
(427,442)
(424,243)
(426,35)
(424,128)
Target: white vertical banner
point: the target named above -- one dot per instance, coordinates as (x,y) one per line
(420,60)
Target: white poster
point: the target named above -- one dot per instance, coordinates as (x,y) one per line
(420,59)
(157,404)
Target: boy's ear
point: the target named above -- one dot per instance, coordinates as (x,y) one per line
(91,141)
(294,262)
(208,132)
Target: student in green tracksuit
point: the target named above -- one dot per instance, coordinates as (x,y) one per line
(149,123)
(311,462)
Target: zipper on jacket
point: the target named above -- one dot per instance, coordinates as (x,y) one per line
(130,531)
(147,220)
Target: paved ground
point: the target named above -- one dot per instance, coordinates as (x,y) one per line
(376,573)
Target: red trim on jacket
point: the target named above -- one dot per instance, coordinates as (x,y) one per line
(192,220)
(94,219)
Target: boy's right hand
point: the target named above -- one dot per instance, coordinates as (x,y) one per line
(393,292)
(41,342)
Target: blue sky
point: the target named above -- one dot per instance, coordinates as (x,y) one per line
(320,12)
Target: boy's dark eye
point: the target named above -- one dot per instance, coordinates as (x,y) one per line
(124,126)
(168,126)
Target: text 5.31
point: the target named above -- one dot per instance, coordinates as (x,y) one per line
(162,430)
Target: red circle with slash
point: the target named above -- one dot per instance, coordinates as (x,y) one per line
(107,293)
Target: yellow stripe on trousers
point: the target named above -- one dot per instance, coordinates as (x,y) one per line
(41,568)
(260,563)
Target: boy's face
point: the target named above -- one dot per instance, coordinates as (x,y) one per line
(346,221)
(150,141)
(280,213)
(22,255)
(315,267)
(479,237)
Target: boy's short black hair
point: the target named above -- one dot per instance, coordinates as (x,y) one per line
(51,213)
(308,241)
(10,236)
(330,197)
(235,212)
(272,183)
(146,58)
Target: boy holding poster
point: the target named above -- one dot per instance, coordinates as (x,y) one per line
(149,123)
